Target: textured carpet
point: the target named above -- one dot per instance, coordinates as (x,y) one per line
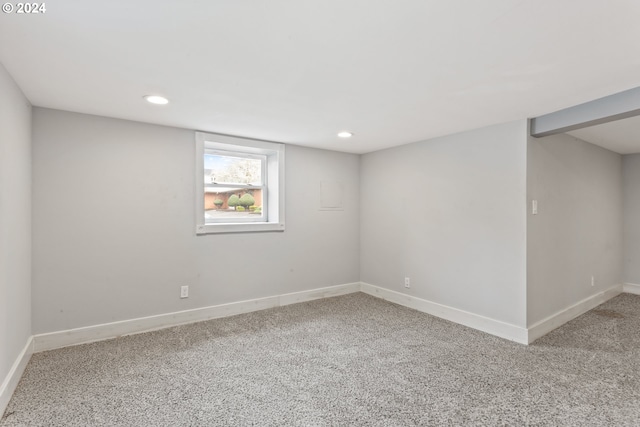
(351,360)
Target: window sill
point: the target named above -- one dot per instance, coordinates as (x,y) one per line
(253,227)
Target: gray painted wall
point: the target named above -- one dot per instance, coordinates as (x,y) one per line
(450,214)
(15,222)
(631,215)
(578,230)
(114,226)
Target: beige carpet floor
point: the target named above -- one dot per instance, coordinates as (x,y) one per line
(352,360)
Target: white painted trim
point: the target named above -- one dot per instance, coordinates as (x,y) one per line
(631,288)
(13,377)
(328,292)
(554,321)
(475,321)
(59,339)
(274,204)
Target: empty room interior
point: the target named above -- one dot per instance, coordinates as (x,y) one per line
(319,213)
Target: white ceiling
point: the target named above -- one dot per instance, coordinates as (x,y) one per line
(622,136)
(298,72)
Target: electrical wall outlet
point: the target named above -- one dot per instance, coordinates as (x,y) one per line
(184,291)
(407,282)
(593,281)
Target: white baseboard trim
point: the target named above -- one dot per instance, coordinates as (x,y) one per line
(59,339)
(554,321)
(12,379)
(328,292)
(631,288)
(475,321)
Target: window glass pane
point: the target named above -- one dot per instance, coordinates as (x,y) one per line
(220,169)
(239,184)
(232,203)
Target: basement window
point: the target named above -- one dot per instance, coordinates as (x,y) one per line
(239,185)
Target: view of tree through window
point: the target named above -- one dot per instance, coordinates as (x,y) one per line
(234,187)
(233,170)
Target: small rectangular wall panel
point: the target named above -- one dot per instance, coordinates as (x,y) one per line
(331,196)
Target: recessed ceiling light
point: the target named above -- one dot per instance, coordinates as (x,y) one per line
(345,134)
(155,99)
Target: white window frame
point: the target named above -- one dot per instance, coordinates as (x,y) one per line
(273,197)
